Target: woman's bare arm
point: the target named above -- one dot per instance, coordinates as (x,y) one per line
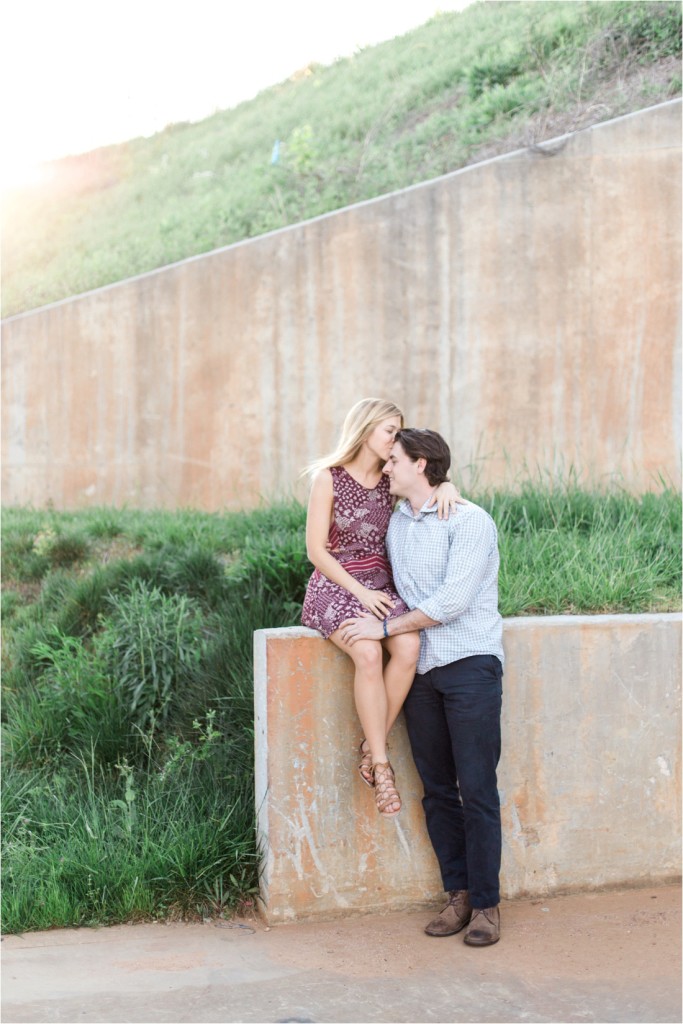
(446,497)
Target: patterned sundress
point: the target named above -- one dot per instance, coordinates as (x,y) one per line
(357,538)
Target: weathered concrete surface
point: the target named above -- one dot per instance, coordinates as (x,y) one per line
(590,776)
(527,307)
(597,957)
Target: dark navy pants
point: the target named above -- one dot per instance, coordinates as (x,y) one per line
(453,719)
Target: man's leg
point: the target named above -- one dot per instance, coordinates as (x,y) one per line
(472,695)
(431,744)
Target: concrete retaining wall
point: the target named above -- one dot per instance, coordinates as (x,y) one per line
(527,307)
(590,776)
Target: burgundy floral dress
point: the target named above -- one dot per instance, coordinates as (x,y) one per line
(357,537)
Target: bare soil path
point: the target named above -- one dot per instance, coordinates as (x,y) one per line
(610,956)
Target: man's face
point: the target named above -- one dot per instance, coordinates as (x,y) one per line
(402,471)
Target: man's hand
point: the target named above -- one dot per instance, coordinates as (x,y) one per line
(364,627)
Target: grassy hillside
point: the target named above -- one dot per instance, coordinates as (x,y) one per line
(463,87)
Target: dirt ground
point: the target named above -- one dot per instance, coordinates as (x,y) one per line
(603,957)
(571,936)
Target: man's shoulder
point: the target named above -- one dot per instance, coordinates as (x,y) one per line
(470,508)
(470,514)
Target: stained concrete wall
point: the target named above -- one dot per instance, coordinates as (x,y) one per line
(527,307)
(590,777)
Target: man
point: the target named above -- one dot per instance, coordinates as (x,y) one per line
(447,573)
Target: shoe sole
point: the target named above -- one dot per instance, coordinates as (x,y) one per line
(468,942)
(446,935)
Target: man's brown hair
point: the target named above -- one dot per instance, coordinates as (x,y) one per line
(419,443)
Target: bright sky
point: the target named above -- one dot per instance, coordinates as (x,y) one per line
(78,74)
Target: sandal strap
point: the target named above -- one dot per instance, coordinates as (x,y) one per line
(385,787)
(365,766)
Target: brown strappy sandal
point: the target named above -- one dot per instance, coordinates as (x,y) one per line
(386,793)
(365,766)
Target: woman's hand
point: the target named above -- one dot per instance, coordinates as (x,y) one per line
(447,498)
(376,601)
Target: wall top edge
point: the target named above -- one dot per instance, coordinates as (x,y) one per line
(288,633)
(644,618)
(515,154)
(518,622)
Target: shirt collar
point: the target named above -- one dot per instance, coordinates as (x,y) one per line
(407,509)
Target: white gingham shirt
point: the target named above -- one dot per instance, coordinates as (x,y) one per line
(448,568)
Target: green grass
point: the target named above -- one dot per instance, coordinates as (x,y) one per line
(128,680)
(570,552)
(85,844)
(495,77)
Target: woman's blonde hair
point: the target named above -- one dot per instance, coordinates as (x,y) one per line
(359,423)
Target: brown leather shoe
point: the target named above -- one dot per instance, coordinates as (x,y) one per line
(484,927)
(454,916)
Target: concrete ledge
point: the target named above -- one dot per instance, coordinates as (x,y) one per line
(589,778)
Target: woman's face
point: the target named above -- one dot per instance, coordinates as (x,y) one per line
(380,440)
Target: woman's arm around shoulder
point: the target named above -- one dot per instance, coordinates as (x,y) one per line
(447,498)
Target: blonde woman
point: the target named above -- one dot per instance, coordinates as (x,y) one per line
(348,517)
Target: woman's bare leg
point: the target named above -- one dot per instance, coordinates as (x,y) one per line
(369,692)
(399,672)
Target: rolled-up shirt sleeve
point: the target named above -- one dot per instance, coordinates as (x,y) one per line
(470,544)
